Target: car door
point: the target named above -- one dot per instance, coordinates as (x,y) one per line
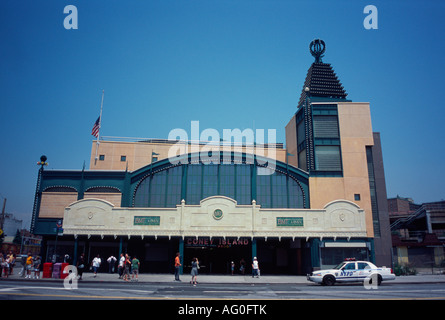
(347,273)
(363,270)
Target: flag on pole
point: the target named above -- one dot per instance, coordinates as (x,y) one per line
(96,127)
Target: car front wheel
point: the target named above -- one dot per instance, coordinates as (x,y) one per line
(328,280)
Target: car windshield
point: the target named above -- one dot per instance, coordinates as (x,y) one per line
(340,266)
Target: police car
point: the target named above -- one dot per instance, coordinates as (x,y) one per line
(351,271)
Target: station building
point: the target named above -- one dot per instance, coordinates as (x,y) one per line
(324,198)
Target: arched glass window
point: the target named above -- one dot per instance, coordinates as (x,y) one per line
(173,191)
(278,190)
(194,184)
(243,184)
(166,188)
(209,181)
(162,189)
(227,180)
(296,199)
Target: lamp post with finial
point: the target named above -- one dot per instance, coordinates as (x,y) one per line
(42,163)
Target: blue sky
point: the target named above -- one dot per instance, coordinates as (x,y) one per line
(228,64)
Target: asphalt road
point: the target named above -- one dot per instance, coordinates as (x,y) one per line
(29,290)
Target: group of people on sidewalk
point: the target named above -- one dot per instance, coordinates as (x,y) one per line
(125,266)
(7,263)
(29,263)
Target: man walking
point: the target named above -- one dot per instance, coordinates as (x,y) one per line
(96,264)
(177,267)
(135,264)
(120,267)
(255,268)
(111,262)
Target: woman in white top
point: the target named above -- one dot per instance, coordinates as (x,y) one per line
(96,264)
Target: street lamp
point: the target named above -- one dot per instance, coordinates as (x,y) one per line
(42,161)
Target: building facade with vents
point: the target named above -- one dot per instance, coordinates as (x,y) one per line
(332,139)
(318,204)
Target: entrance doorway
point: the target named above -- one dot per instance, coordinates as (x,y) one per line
(216,254)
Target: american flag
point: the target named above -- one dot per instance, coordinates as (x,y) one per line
(96,127)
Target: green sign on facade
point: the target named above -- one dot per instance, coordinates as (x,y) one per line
(147,221)
(289,222)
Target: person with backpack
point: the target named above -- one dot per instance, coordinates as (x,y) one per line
(111,262)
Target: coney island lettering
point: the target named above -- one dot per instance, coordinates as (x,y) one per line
(216,242)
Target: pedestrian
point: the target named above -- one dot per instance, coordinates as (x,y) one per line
(28,265)
(37,262)
(2,264)
(81,265)
(120,267)
(127,265)
(177,266)
(232,266)
(111,261)
(135,264)
(194,272)
(11,262)
(255,268)
(96,264)
(6,265)
(22,272)
(242,266)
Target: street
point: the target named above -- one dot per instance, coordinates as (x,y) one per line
(38,290)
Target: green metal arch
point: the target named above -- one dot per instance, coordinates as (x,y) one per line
(299,176)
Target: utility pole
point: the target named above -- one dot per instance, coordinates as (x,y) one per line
(3,214)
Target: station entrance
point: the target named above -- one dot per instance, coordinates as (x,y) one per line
(216,254)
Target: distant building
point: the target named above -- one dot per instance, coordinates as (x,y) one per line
(418,232)
(11,224)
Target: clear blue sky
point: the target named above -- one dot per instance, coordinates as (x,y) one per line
(228,64)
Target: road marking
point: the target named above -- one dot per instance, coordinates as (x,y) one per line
(229,291)
(194,298)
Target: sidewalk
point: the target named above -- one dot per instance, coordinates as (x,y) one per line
(224,279)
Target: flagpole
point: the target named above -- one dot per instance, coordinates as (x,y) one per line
(100,122)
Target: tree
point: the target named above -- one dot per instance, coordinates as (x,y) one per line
(17,238)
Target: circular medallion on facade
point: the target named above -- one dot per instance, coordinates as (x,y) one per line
(218,214)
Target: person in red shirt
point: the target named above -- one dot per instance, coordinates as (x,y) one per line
(177,267)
